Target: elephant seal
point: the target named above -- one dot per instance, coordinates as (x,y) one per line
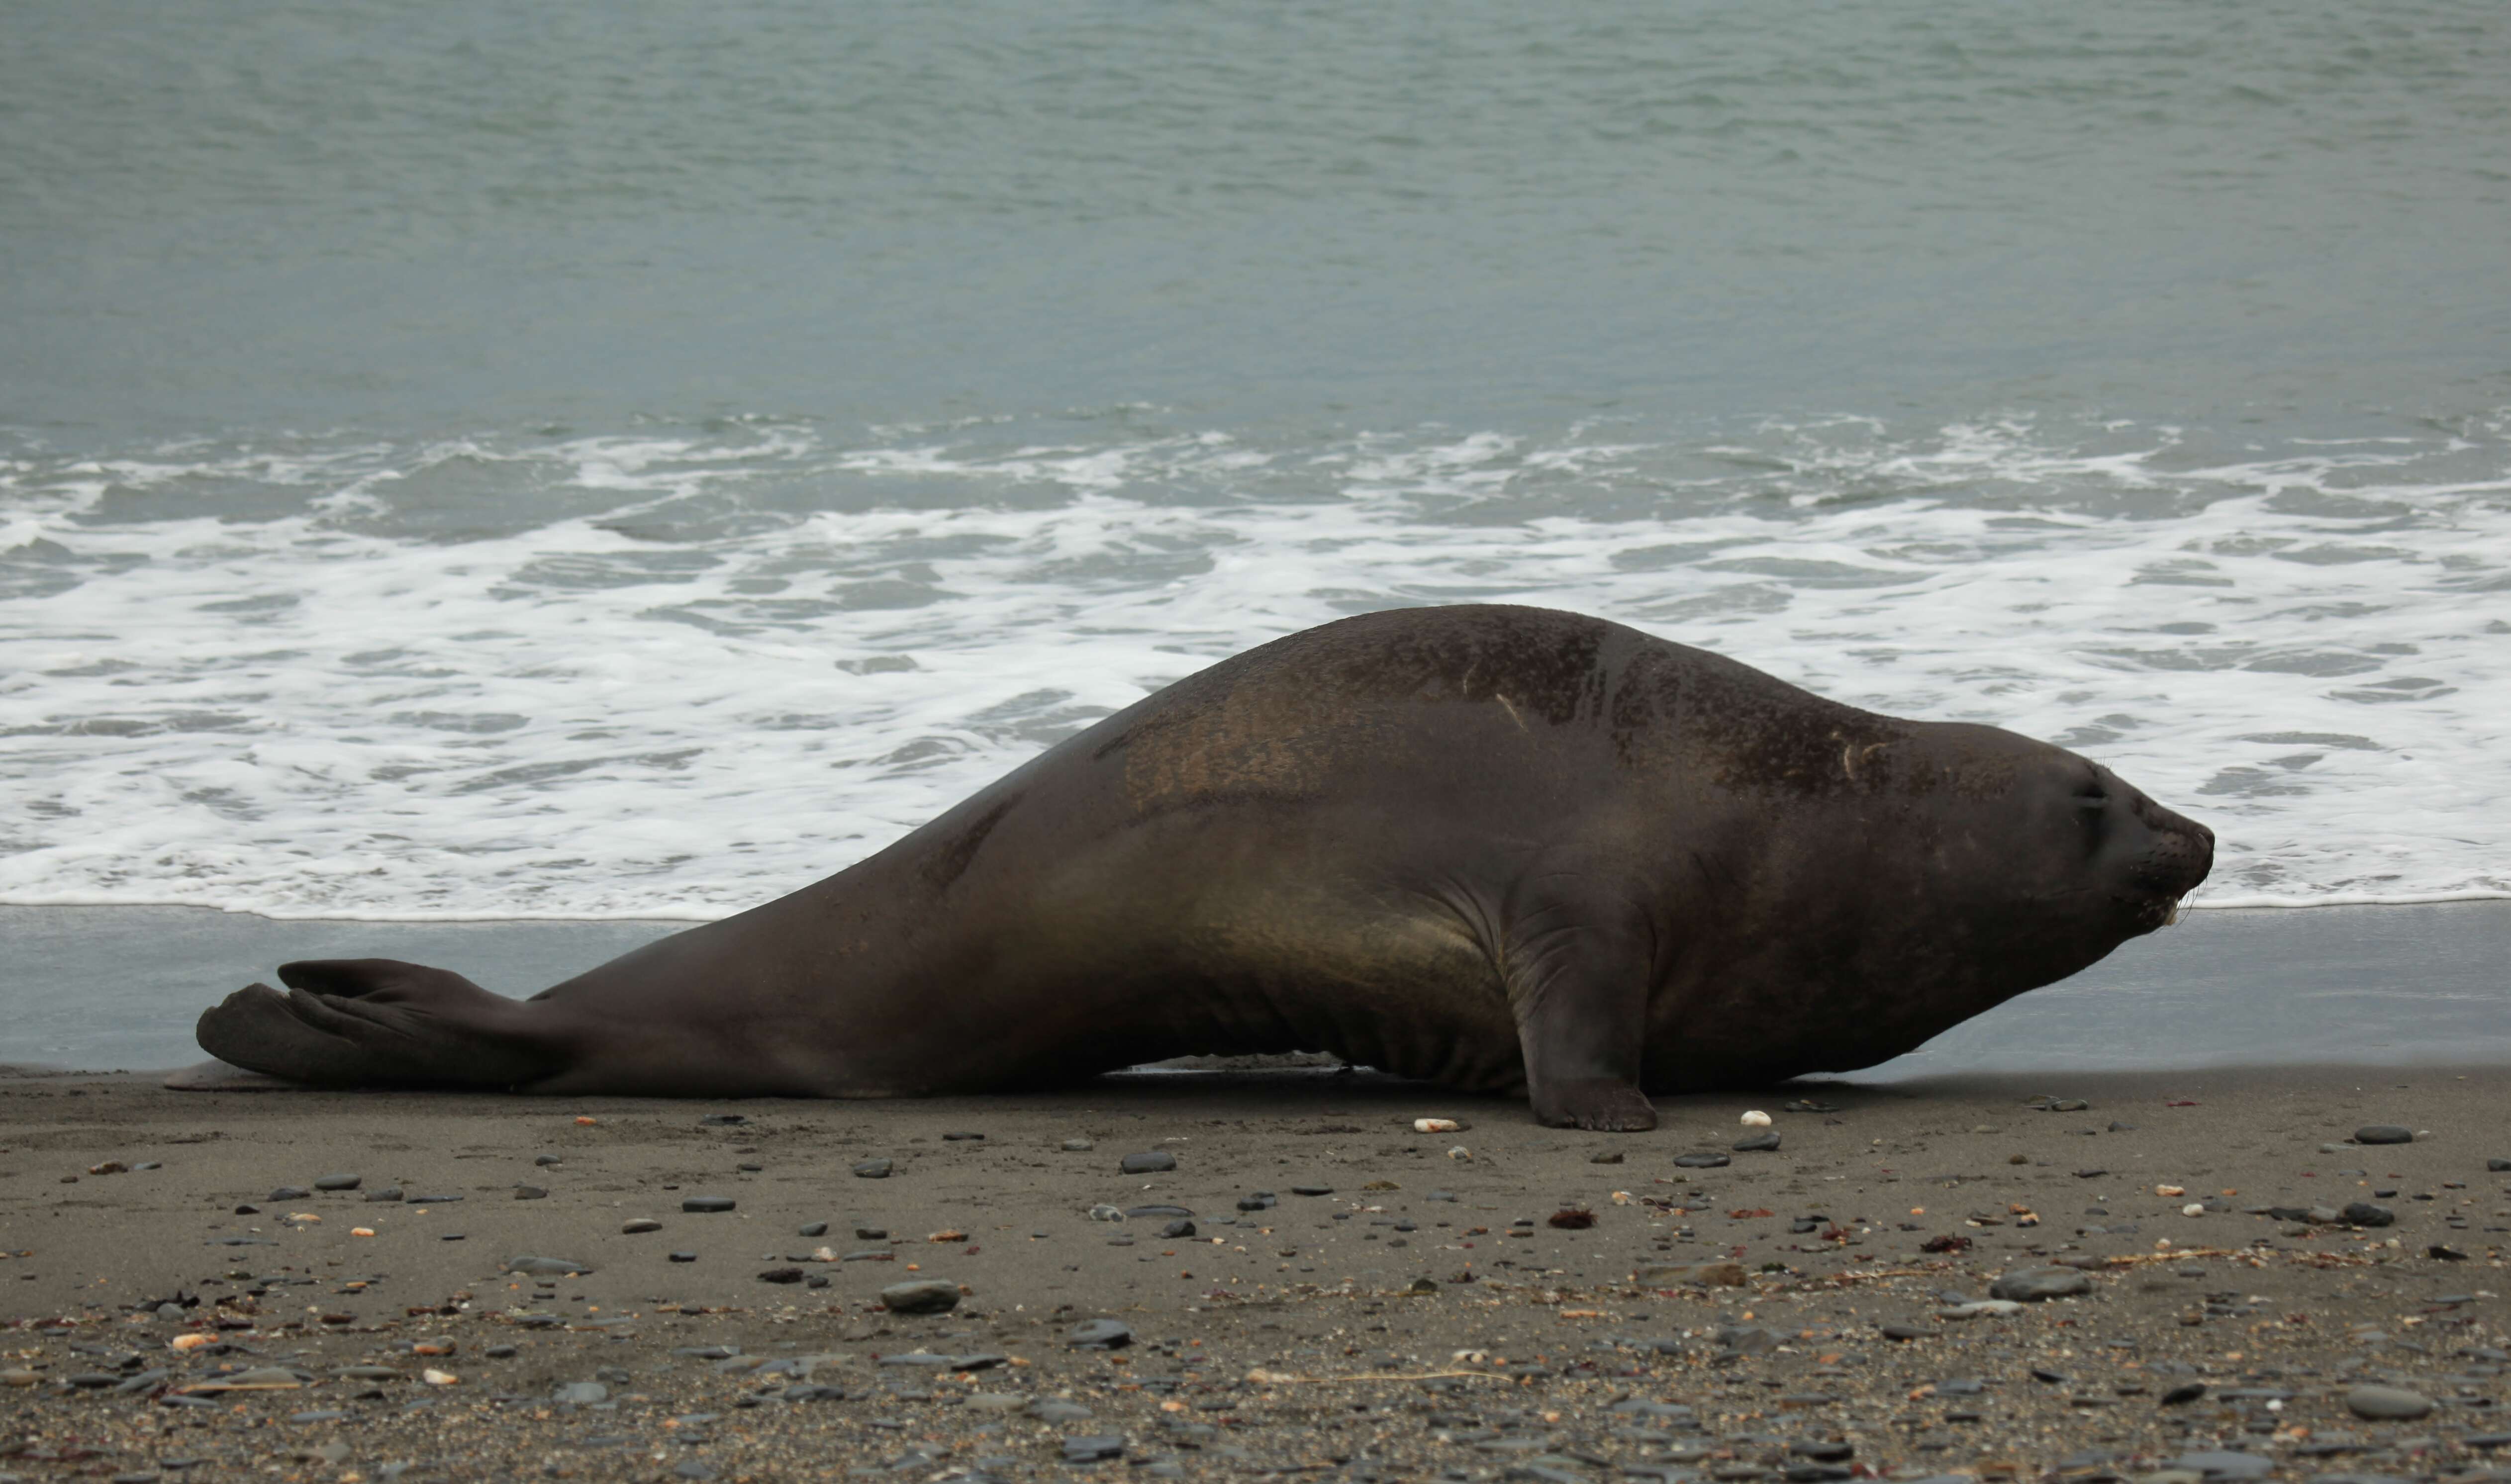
(1504,849)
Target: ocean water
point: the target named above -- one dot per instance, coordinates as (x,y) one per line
(630,462)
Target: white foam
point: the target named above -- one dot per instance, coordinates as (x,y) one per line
(672,676)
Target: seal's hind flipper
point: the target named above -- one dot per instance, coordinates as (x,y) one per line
(374,1023)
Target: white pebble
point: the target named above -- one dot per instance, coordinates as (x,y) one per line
(1436,1126)
(1756,1119)
(2192,1208)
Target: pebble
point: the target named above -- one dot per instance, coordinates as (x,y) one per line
(684,1257)
(1144,1213)
(707,1205)
(337,1183)
(580,1393)
(1149,1162)
(1707,1274)
(1701,1161)
(1610,1156)
(1263,1201)
(545,1160)
(1757,1142)
(2384,1133)
(871,1233)
(1049,1409)
(388,1192)
(640,1224)
(1312,1190)
(814,1228)
(2390,1404)
(530,1193)
(288,1193)
(921,1296)
(1975,1309)
(784,1276)
(558,1266)
(2363,1213)
(960,1138)
(1099,1334)
(2225,1464)
(1078,1145)
(2029,1285)
(1177,1229)
(723,1119)
(1091,1450)
(873,1169)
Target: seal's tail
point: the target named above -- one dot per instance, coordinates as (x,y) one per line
(375,1023)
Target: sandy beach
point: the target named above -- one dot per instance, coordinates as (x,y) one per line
(2236,1288)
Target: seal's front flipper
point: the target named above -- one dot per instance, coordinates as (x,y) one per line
(1578,981)
(215,1076)
(375,1023)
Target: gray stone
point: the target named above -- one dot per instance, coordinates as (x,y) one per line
(1757,1143)
(339,1181)
(551,1267)
(1099,1334)
(580,1393)
(922,1296)
(2389,1405)
(2225,1464)
(1149,1162)
(1702,1161)
(875,1170)
(2031,1285)
(707,1205)
(2384,1133)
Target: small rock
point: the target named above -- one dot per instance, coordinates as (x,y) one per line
(1705,1275)
(871,1233)
(960,1138)
(1757,1143)
(339,1183)
(2031,1285)
(684,1257)
(922,1296)
(640,1224)
(389,1193)
(1701,1161)
(1149,1162)
(2363,1213)
(1078,1145)
(2498,1166)
(2384,1133)
(562,1267)
(1092,1450)
(580,1393)
(1177,1229)
(814,1228)
(1263,1201)
(1610,1156)
(530,1193)
(788,1276)
(706,1204)
(723,1119)
(2225,1464)
(1099,1334)
(2389,1405)
(545,1160)
(288,1193)
(873,1169)
(1312,1190)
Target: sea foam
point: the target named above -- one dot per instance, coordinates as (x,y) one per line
(673,672)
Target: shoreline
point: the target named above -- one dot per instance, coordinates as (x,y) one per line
(1818,1305)
(2408,984)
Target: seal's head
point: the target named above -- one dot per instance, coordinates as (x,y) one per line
(2072,857)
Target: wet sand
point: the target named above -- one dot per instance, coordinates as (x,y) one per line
(1381,1331)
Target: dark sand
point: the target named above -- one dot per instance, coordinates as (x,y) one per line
(1372,1332)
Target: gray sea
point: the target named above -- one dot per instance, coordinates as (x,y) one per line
(462,463)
